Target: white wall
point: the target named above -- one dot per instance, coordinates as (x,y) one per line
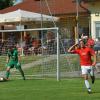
(95,17)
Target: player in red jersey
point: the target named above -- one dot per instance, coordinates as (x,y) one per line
(86,62)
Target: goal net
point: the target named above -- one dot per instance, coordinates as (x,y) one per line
(43,54)
(43,50)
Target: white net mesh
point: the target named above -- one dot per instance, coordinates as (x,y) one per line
(38,48)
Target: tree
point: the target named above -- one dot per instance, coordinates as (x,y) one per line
(5,3)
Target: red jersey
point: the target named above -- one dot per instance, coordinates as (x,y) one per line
(85,55)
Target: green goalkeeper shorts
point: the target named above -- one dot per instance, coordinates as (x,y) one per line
(13,64)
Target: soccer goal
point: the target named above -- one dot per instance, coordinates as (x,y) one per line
(43,53)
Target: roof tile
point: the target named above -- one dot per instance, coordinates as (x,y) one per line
(56,6)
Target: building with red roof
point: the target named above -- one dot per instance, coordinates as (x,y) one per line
(57,7)
(65,9)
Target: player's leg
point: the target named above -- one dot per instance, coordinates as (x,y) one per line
(87,83)
(92,75)
(20,70)
(85,77)
(7,73)
(22,73)
(9,66)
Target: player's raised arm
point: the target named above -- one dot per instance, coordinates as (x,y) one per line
(72,47)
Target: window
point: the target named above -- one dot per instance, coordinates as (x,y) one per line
(97,29)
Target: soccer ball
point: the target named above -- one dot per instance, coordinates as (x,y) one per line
(2,79)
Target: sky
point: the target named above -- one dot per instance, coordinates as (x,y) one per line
(18,1)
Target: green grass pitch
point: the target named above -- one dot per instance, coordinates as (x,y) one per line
(48,89)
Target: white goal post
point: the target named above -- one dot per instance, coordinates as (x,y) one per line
(41,29)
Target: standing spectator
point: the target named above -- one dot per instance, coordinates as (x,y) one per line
(36,43)
(86,62)
(50,42)
(97,45)
(88,41)
(11,39)
(27,40)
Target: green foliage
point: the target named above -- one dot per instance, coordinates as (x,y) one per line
(5,3)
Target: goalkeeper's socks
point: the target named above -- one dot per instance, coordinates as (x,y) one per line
(23,78)
(22,73)
(7,74)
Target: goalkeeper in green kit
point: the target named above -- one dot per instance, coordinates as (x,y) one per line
(13,60)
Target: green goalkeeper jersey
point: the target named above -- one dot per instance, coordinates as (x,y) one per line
(13,55)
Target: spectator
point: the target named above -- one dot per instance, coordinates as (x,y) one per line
(97,45)
(88,41)
(36,44)
(50,42)
(27,39)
